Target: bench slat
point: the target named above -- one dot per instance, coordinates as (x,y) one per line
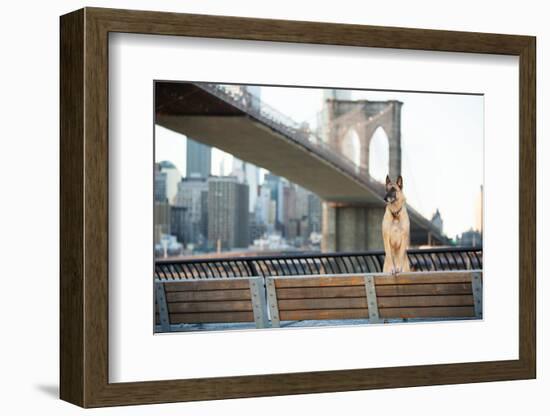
(190,285)
(387,302)
(416,278)
(424,289)
(229,306)
(408,301)
(433,312)
(384,290)
(208,295)
(320,281)
(211,317)
(321,292)
(321,314)
(326,303)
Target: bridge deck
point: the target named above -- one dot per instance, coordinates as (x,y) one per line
(249,140)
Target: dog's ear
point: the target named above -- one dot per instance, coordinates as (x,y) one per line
(388,180)
(400,182)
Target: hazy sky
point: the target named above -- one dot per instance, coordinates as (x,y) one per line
(441,140)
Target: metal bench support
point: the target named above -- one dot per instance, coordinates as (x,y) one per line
(372,303)
(272,302)
(477,292)
(160,295)
(259,306)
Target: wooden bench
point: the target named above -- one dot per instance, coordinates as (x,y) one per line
(234,300)
(376,297)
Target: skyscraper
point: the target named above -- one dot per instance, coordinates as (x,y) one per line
(275,184)
(281,204)
(289,211)
(228,219)
(198,159)
(247,173)
(314,213)
(172,178)
(178,222)
(160,184)
(238,169)
(302,196)
(161,213)
(263,207)
(193,196)
(252,175)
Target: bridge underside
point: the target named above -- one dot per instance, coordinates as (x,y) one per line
(187,109)
(249,140)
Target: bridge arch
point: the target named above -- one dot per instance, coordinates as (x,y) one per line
(367,118)
(379,154)
(351,147)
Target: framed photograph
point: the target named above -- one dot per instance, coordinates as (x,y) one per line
(256,207)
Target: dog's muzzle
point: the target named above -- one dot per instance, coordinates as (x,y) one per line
(390,197)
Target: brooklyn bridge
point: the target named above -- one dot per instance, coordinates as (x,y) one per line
(244,126)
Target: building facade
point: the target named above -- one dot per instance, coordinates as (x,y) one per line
(250,174)
(470,238)
(198,159)
(228,217)
(162,223)
(315,213)
(178,224)
(193,196)
(173,177)
(160,184)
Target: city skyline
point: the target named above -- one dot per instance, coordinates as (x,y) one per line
(205,216)
(213,214)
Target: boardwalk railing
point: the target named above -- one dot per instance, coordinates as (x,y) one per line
(433,259)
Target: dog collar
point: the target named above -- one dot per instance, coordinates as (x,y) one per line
(396,214)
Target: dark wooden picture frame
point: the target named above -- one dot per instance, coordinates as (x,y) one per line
(84,207)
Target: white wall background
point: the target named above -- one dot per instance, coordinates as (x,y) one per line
(29,161)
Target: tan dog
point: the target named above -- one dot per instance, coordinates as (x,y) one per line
(395,228)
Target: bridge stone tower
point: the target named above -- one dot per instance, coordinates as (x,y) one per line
(349,227)
(364,117)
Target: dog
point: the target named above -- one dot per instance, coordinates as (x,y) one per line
(395,228)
